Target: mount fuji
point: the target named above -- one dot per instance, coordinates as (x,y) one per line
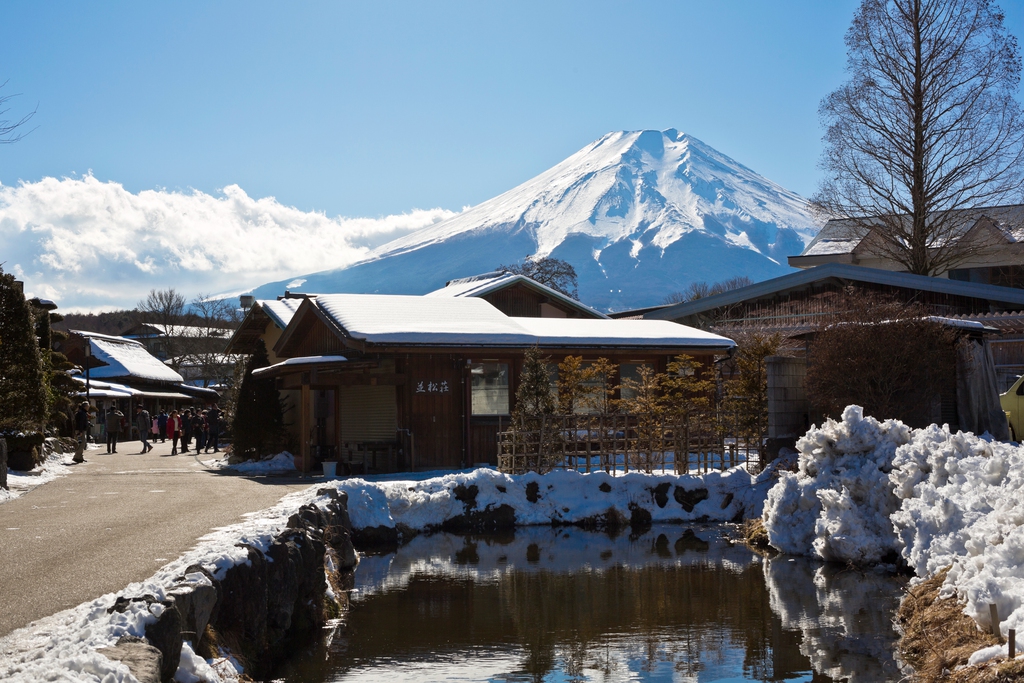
(639,215)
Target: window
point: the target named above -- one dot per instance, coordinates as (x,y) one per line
(629,371)
(489,388)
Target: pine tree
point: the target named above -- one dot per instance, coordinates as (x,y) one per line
(23,389)
(258,421)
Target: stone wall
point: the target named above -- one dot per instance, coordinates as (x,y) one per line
(258,606)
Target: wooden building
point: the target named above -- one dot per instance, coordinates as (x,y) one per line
(392,383)
(517,295)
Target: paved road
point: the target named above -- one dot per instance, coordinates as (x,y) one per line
(116,519)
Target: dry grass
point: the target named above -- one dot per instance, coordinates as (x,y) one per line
(756,536)
(938,637)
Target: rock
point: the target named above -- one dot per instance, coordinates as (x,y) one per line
(640,518)
(661,493)
(378,537)
(490,518)
(605,487)
(467,495)
(195,597)
(532,492)
(144,661)
(295,585)
(3,463)
(689,499)
(242,606)
(165,635)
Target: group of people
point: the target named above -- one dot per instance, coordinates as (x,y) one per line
(205,426)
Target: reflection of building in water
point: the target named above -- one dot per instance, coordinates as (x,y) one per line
(670,604)
(846,621)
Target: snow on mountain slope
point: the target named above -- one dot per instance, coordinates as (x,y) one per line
(639,214)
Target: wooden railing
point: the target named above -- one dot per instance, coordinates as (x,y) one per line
(617,443)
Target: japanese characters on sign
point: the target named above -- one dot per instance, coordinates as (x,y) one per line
(425,387)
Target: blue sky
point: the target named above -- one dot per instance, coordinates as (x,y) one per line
(175,123)
(377,108)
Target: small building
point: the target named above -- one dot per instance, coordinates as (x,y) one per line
(517,295)
(169,341)
(795,305)
(121,372)
(390,383)
(992,236)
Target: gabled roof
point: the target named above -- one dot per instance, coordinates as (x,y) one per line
(125,358)
(393,320)
(840,238)
(576,332)
(487,283)
(278,311)
(421,320)
(1001,297)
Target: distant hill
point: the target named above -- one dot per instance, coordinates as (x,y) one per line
(639,214)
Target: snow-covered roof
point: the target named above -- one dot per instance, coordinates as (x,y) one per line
(461,321)
(481,285)
(300,360)
(841,236)
(126,358)
(433,321)
(646,333)
(280,310)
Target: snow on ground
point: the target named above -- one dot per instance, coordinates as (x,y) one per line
(282,462)
(939,499)
(563,497)
(55,466)
(63,646)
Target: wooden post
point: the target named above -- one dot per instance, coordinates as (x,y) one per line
(305,425)
(994,613)
(1011,639)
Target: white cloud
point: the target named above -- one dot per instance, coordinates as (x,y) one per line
(92,245)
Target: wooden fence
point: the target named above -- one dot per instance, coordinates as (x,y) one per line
(619,443)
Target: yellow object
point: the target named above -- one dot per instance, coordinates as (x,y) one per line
(1013,405)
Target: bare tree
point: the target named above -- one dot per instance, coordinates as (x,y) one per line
(202,344)
(555,273)
(166,310)
(9,132)
(926,125)
(701,289)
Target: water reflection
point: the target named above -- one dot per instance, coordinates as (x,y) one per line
(543,604)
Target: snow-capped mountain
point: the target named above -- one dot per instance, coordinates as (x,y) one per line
(639,214)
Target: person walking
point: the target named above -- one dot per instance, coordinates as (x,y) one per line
(161,425)
(213,422)
(186,430)
(174,431)
(144,423)
(114,417)
(81,431)
(199,430)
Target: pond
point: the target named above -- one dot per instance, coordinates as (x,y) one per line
(563,604)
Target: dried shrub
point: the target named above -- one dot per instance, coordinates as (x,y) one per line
(937,635)
(884,355)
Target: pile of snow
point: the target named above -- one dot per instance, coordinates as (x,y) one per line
(562,497)
(839,501)
(282,462)
(866,489)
